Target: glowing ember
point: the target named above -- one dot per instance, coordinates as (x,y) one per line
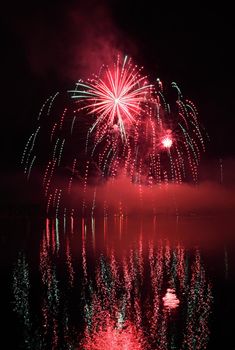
(170,300)
(167,142)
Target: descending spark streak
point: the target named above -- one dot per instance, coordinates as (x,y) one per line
(116,123)
(31,148)
(30,167)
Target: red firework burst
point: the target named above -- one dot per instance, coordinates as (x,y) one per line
(115,97)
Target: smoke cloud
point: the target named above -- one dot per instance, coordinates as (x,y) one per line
(75,44)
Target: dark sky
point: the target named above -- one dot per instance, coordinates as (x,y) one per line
(48,45)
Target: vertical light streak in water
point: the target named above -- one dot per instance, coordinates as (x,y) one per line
(162,332)
(48,236)
(65,216)
(105,208)
(46,278)
(69,264)
(84,262)
(199,302)
(155,260)
(93,204)
(135,288)
(56,328)
(167,255)
(93,231)
(51,296)
(173,278)
(105,227)
(53,239)
(21,292)
(57,234)
(139,257)
(72,222)
(116,284)
(128,287)
(109,327)
(180,266)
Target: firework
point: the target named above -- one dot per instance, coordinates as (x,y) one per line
(167,142)
(178,137)
(115,123)
(115,97)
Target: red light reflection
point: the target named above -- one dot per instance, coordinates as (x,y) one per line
(170,299)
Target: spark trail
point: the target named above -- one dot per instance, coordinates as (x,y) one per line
(115,123)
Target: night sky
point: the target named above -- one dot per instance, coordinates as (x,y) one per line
(48,45)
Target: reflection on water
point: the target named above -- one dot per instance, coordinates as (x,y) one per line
(109,285)
(170,300)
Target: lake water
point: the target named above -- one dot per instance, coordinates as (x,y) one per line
(162,282)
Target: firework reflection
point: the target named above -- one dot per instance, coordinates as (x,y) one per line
(146,294)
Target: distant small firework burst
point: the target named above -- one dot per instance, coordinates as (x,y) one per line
(117,123)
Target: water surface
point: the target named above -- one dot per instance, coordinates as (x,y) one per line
(118,282)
